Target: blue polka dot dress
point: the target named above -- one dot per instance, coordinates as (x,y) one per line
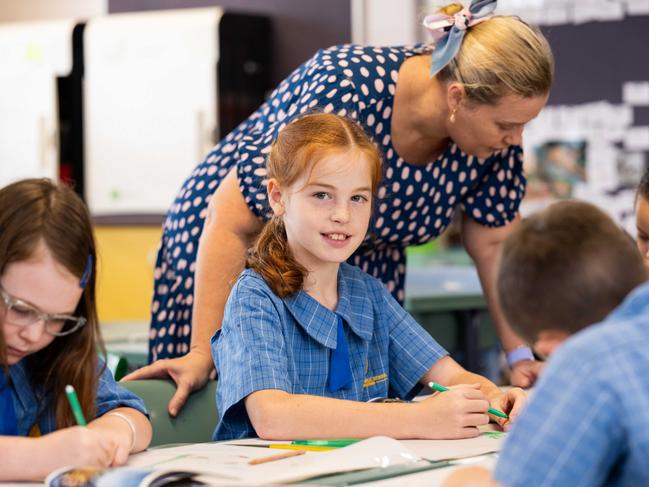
(415,202)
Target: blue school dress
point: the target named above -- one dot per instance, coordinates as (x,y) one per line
(415,204)
(287,344)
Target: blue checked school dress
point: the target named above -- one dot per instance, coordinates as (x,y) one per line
(415,202)
(369,347)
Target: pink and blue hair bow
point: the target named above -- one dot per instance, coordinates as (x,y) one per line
(448,30)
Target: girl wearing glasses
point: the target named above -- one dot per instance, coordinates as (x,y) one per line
(49,340)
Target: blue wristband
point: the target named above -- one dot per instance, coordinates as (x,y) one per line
(519,354)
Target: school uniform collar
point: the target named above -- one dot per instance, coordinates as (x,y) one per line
(321,323)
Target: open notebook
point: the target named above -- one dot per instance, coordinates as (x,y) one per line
(229,463)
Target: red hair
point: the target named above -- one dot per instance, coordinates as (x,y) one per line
(299,146)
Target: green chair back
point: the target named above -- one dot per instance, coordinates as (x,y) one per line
(117,364)
(195,422)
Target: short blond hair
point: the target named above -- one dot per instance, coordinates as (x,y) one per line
(500,55)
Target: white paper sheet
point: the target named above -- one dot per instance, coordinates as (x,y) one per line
(228,464)
(434,450)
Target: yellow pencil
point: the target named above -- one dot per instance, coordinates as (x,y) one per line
(279,456)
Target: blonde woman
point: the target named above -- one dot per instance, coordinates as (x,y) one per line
(448,118)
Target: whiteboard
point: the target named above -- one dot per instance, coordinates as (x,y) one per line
(150,106)
(32,55)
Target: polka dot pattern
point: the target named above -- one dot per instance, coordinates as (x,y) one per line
(415,202)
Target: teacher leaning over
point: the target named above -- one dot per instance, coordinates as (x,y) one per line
(448,118)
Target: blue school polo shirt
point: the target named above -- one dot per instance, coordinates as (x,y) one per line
(271,343)
(33,408)
(587,423)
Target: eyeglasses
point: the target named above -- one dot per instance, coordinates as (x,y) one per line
(20,313)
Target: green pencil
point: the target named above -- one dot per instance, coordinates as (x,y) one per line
(74,405)
(440,388)
(335,443)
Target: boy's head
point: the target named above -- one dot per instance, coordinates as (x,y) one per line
(563,269)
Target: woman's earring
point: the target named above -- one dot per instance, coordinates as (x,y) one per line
(452,117)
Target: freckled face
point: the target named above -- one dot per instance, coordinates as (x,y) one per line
(326,213)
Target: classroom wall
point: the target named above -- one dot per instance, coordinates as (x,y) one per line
(600,102)
(125,271)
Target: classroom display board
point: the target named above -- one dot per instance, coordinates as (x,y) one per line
(592,140)
(150,106)
(32,55)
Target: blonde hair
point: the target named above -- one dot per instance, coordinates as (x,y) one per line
(299,147)
(499,55)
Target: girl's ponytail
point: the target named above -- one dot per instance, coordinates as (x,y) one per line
(271,257)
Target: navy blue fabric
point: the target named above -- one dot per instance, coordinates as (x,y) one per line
(8,421)
(415,202)
(340,372)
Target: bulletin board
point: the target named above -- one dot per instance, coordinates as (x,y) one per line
(592,139)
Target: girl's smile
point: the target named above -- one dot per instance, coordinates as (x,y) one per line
(327,211)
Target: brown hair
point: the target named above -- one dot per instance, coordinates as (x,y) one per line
(499,55)
(565,268)
(298,148)
(35,211)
